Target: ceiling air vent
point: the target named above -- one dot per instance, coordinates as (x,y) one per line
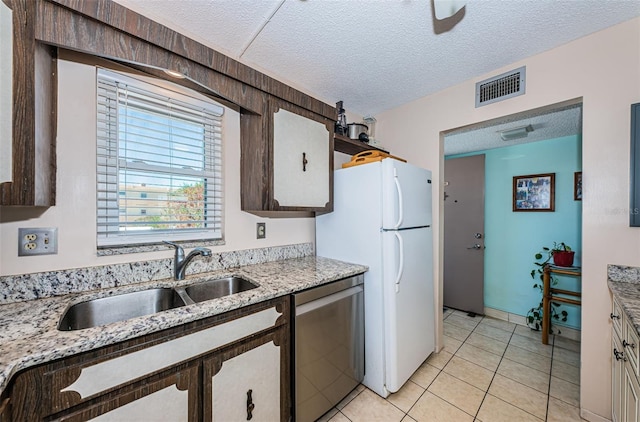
(501,87)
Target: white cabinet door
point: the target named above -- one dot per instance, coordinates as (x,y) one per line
(617,378)
(168,404)
(256,371)
(300,161)
(631,401)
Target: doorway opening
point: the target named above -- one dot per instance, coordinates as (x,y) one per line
(489,244)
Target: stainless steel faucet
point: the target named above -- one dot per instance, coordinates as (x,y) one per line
(180,262)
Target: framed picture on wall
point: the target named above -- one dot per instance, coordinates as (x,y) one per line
(577,186)
(534,192)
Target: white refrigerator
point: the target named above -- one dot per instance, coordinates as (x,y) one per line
(382,219)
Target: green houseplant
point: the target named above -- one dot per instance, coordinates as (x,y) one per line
(534,316)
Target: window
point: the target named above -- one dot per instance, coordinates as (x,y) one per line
(159,168)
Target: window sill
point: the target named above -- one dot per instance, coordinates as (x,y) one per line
(130,249)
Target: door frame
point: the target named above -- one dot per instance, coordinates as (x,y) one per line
(439,294)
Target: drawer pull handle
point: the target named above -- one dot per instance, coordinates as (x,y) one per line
(250,405)
(619,355)
(625,344)
(304,161)
(614,316)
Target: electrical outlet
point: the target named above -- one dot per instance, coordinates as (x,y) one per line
(37,241)
(261,230)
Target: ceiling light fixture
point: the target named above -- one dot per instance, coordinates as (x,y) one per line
(516,133)
(446,14)
(174,74)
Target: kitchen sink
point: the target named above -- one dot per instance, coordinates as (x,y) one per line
(213,289)
(106,310)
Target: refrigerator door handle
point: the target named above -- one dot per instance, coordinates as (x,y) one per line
(400,201)
(401,263)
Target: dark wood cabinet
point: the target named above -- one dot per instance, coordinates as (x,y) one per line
(43,26)
(4,409)
(33,181)
(172,397)
(176,374)
(286,161)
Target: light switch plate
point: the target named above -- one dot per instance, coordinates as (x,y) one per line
(37,241)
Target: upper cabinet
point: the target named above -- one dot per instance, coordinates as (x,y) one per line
(300,161)
(34,90)
(287,161)
(276,181)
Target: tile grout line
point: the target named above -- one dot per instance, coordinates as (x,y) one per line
(553,349)
(494,375)
(347,403)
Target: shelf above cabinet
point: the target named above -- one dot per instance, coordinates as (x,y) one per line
(349,146)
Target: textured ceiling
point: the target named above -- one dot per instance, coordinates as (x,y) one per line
(548,125)
(378,54)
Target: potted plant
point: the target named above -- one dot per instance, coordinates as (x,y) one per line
(561,253)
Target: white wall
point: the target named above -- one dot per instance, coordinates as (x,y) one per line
(74,214)
(603,69)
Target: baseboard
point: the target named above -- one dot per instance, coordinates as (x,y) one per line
(590,416)
(570,333)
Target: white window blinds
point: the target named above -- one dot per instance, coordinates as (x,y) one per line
(159,164)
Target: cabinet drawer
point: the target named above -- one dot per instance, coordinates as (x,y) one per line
(631,344)
(616,317)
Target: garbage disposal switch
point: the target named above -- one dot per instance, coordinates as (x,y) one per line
(328,333)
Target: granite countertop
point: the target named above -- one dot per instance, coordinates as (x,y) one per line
(28,333)
(624,283)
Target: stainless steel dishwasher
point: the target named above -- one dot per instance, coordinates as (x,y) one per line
(328,335)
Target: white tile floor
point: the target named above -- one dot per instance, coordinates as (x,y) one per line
(489,371)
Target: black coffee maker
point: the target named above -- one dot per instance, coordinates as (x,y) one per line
(341,123)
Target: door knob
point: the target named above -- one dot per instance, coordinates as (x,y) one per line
(478,235)
(476,246)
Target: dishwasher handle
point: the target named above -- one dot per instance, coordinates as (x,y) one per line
(327,300)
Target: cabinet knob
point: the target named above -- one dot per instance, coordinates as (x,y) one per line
(612,316)
(304,161)
(250,405)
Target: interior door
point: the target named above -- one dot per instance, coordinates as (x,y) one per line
(464,234)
